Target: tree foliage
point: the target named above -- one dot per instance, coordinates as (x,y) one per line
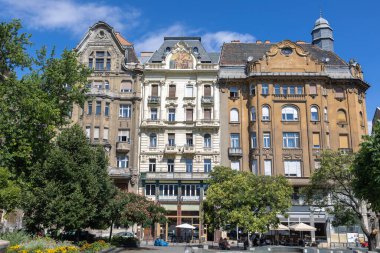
(72,190)
(10,192)
(367,169)
(244,199)
(332,188)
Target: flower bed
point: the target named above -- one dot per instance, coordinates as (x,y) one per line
(47,245)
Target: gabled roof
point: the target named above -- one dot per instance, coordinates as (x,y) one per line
(192,42)
(238,53)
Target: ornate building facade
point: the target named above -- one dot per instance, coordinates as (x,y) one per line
(283,103)
(111,113)
(179,128)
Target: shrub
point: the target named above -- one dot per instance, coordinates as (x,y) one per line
(15,238)
(119,241)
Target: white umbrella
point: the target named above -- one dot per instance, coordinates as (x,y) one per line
(186,225)
(280,227)
(302,227)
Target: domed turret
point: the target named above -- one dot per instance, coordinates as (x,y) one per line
(322,34)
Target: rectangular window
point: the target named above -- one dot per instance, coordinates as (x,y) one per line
(207,91)
(190,190)
(125,111)
(99,64)
(96,133)
(123,135)
(108,66)
(88,132)
(171,139)
(107,109)
(299,90)
(235,140)
(189,140)
(277,89)
(292,168)
(189,91)
(98,85)
(189,114)
(255,169)
(171,115)
(253,140)
(105,134)
(313,89)
(168,190)
(327,140)
(152,165)
(284,89)
(126,86)
(292,90)
(153,114)
(207,165)
(189,165)
(122,161)
(153,140)
(89,107)
(207,114)
(264,89)
(290,140)
(98,109)
(106,85)
(171,91)
(150,190)
(268,167)
(339,93)
(343,141)
(154,90)
(252,90)
(235,165)
(266,138)
(90,63)
(316,140)
(234,93)
(100,54)
(170,165)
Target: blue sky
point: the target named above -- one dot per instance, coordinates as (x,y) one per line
(145,22)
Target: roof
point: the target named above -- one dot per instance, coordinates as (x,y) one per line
(122,40)
(237,53)
(192,42)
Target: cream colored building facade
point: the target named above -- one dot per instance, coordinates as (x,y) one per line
(111,113)
(179,128)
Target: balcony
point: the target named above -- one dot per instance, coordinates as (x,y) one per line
(168,198)
(171,149)
(207,100)
(207,123)
(189,198)
(153,100)
(152,123)
(188,149)
(289,97)
(123,146)
(235,152)
(345,150)
(122,173)
(174,176)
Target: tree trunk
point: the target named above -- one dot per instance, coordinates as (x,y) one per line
(110,236)
(372,242)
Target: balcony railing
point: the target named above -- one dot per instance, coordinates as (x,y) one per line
(235,151)
(190,198)
(174,175)
(345,150)
(188,149)
(207,123)
(119,172)
(171,149)
(168,198)
(289,96)
(153,100)
(123,146)
(207,100)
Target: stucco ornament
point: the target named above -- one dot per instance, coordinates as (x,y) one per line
(181,57)
(101,35)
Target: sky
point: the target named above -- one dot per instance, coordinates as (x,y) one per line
(62,24)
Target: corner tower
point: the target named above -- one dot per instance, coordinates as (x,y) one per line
(322,35)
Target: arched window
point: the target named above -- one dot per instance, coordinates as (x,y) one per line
(207,141)
(341,116)
(289,113)
(253,113)
(326,118)
(265,113)
(234,115)
(314,113)
(153,140)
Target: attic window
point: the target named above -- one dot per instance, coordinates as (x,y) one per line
(167,50)
(195,50)
(286,51)
(101,60)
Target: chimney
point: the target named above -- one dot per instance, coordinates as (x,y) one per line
(267,42)
(300,42)
(235,41)
(259,42)
(146,54)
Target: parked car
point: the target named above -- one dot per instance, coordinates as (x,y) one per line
(125,234)
(73,236)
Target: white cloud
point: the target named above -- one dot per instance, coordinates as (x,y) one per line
(211,41)
(69,15)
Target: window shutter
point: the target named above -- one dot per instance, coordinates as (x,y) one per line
(339,92)
(155,90)
(189,91)
(189,114)
(316,140)
(96,132)
(207,113)
(342,116)
(207,90)
(172,91)
(313,89)
(105,134)
(268,167)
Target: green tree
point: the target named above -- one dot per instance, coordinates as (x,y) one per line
(246,200)
(10,192)
(332,188)
(72,191)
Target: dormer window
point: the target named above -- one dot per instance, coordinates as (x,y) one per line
(167,50)
(195,50)
(102,60)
